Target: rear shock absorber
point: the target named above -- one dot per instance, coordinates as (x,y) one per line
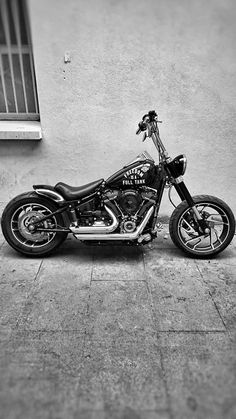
(73,215)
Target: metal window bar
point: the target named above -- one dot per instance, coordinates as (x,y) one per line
(7,35)
(3,84)
(15,10)
(25,11)
(20,53)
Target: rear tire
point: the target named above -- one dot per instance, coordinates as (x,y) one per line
(217,215)
(18,214)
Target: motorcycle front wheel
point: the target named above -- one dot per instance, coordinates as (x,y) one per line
(15,223)
(220,223)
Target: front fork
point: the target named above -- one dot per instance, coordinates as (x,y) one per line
(184,195)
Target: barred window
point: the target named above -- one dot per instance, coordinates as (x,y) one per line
(18,95)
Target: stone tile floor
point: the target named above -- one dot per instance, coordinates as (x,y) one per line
(117,332)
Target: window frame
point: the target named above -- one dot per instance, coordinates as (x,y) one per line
(18,49)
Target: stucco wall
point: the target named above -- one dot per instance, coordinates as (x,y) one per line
(127,57)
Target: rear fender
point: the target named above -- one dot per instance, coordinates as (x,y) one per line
(49,192)
(32,195)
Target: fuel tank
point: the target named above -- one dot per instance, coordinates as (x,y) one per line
(139,172)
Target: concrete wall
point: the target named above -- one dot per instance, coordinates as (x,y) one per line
(127,57)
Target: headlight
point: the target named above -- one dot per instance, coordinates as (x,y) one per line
(179,163)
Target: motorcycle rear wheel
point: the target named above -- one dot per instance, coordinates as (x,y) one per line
(17,216)
(219,219)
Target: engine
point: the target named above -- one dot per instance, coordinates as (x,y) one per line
(129,201)
(130,206)
(91,213)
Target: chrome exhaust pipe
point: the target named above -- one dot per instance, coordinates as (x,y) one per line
(118,236)
(99,229)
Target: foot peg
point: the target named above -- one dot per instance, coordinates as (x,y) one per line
(144,238)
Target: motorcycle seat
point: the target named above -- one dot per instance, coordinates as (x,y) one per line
(77,192)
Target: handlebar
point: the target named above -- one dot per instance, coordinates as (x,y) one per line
(142,126)
(151,116)
(149,125)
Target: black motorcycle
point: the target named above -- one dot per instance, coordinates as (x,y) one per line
(123,208)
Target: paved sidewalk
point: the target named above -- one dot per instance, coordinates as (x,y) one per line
(118,332)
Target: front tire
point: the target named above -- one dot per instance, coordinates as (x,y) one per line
(219,219)
(16,217)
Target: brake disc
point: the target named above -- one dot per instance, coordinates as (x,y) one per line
(23,223)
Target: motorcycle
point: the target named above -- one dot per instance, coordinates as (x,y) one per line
(124,208)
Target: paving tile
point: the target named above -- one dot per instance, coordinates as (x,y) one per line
(220,279)
(12,299)
(119,309)
(180,300)
(118,263)
(17,278)
(39,399)
(94,353)
(39,375)
(2,240)
(15,268)
(41,355)
(2,206)
(59,299)
(200,374)
(228,256)
(5,335)
(162,241)
(122,374)
(126,413)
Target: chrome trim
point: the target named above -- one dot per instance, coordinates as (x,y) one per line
(50,194)
(118,236)
(179,179)
(184,158)
(102,228)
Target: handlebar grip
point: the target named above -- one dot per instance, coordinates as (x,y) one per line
(152,115)
(142,126)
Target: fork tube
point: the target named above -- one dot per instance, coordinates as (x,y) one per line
(184,194)
(158,202)
(159,144)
